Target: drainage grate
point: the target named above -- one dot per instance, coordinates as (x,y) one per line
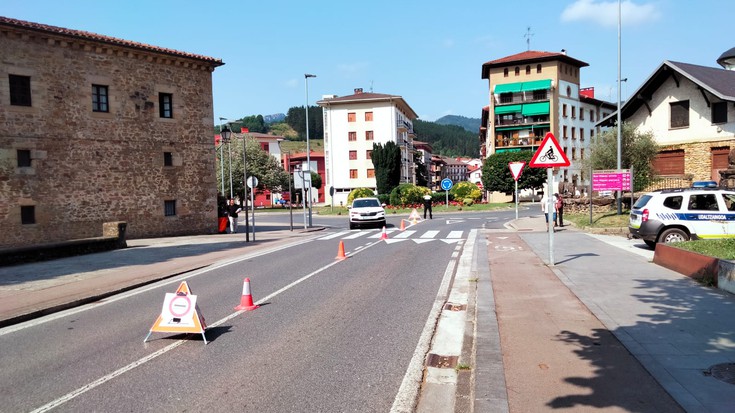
(442,362)
(455,307)
(722,372)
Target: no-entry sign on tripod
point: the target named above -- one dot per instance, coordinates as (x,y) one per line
(549,155)
(516,168)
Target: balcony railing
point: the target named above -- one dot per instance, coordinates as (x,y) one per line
(520,98)
(519,121)
(532,140)
(404,125)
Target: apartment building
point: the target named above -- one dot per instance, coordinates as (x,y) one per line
(352,124)
(97,129)
(535,92)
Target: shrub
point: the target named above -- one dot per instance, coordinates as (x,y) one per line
(466,190)
(468,201)
(384,198)
(405,194)
(359,193)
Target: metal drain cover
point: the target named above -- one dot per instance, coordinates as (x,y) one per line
(455,307)
(442,362)
(723,372)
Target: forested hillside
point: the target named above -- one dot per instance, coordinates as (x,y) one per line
(447,140)
(469,124)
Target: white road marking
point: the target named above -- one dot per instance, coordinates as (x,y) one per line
(404,234)
(455,234)
(429,234)
(357,234)
(335,235)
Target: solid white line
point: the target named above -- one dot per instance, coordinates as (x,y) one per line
(408,392)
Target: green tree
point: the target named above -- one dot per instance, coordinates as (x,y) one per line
(637,150)
(407,194)
(447,140)
(466,190)
(359,193)
(387,163)
(496,174)
(422,172)
(296,119)
(260,164)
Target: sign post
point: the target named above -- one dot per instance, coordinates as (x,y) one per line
(516,168)
(446,186)
(549,155)
(252,183)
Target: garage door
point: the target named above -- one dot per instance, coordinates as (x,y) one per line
(669,163)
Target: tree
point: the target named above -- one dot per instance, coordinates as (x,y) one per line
(637,150)
(296,119)
(387,164)
(496,174)
(260,164)
(422,172)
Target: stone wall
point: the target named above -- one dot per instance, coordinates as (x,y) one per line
(90,167)
(698,157)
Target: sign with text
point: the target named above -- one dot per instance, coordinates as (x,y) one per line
(612,180)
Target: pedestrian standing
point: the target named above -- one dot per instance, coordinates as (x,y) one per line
(427,206)
(232,210)
(545,210)
(559,210)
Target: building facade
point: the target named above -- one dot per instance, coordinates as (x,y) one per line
(533,93)
(352,124)
(95,129)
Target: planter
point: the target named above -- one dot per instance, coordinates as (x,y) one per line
(726,276)
(692,264)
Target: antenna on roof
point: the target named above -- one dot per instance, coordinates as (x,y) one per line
(528,36)
(371,86)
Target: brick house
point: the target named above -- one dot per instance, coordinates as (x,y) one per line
(96,129)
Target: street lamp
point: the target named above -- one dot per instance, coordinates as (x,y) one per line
(308,150)
(226,133)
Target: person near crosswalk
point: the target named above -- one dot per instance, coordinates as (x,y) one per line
(427,206)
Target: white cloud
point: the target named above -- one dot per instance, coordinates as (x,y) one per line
(605,13)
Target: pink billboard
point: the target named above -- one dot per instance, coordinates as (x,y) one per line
(611,180)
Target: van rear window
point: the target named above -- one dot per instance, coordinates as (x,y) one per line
(673,202)
(642,201)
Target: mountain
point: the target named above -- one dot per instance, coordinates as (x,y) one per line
(469,124)
(278,117)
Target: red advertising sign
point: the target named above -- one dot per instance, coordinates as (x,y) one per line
(611,180)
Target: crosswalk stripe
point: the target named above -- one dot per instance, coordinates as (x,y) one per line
(357,234)
(405,234)
(380,233)
(455,234)
(332,236)
(429,234)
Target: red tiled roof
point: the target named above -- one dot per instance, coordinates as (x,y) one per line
(362,96)
(21,24)
(528,57)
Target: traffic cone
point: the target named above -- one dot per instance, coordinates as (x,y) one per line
(384,235)
(403,225)
(246,301)
(341,251)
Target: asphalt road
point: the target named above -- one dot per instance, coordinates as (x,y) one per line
(330,335)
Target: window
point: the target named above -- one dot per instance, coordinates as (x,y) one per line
(539,95)
(20,90)
(574,132)
(27,214)
(371,173)
(673,202)
(353,155)
(538,68)
(368,135)
(518,71)
(99,98)
(265,146)
(574,154)
(592,115)
(569,91)
(564,110)
(24,158)
(369,154)
(528,69)
(353,173)
(719,112)
(581,114)
(704,202)
(168,159)
(368,116)
(351,117)
(505,72)
(574,112)
(581,132)
(169,208)
(679,114)
(166,105)
(352,136)
(592,133)
(581,153)
(506,98)
(564,131)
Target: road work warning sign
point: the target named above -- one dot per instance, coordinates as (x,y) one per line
(180,314)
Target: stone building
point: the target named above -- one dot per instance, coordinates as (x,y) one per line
(95,129)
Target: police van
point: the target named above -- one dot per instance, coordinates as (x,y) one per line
(674,215)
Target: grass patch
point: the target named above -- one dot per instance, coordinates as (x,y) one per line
(723,249)
(606,220)
(462,366)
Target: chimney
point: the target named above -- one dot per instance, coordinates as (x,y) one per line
(358,91)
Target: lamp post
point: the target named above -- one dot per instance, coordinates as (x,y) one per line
(226,133)
(620,193)
(308,150)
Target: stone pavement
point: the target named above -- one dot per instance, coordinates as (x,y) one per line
(547,337)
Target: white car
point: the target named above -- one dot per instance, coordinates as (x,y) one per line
(674,215)
(366,211)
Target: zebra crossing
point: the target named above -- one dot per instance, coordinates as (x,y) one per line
(395,235)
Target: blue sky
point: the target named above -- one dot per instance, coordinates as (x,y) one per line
(430,52)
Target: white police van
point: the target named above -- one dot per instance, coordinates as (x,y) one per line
(674,215)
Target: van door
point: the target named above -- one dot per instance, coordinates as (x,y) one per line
(706,215)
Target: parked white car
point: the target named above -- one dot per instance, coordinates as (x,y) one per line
(674,215)
(366,211)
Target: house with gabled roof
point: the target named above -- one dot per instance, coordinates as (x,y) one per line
(690,109)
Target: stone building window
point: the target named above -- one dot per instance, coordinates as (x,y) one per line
(20,90)
(27,214)
(166,105)
(24,158)
(169,208)
(719,112)
(168,159)
(100,98)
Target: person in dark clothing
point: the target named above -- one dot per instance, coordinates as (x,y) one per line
(232,210)
(427,206)
(559,210)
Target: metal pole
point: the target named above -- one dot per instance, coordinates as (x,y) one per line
(590,195)
(245,189)
(550,214)
(229,150)
(516,184)
(290,195)
(303,203)
(252,202)
(308,149)
(222,165)
(620,126)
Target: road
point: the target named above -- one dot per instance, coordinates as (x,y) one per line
(330,335)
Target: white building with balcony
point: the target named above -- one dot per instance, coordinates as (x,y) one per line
(352,124)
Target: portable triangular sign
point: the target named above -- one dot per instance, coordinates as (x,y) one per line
(180,314)
(516,168)
(549,154)
(414,216)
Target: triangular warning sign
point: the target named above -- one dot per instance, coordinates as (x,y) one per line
(180,314)
(516,168)
(549,154)
(414,216)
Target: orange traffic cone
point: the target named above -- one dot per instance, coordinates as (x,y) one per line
(384,235)
(246,301)
(341,251)
(403,225)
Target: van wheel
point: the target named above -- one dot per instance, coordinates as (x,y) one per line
(651,244)
(673,235)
